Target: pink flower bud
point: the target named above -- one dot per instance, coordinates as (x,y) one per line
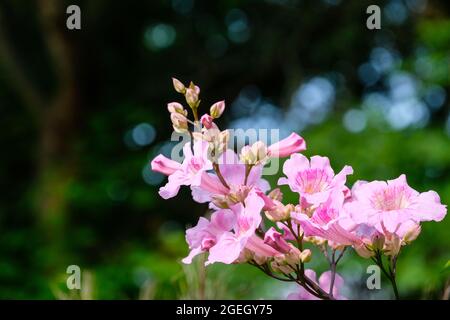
(255,154)
(284,148)
(269,203)
(217,109)
(280,265)
(178,85)
(276,194)
(363,251)
(305,255)
(179,122)
(194,87)
(279,212)
(378,241)
(412,233)
(392,246)
(274,239)
(207,121)
(294,256)
(245,256)
(191,97)
(176,107)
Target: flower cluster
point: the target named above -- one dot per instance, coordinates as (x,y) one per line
(249,223)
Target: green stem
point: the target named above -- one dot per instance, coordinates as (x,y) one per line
(394,286)
(195,113)
(392,271)
(391,275)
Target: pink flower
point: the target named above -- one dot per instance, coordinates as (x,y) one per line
(324,283)
(233,172)
(207,121)
(205,234)
(229,232)
(187,173)
(314,180)
(284,148)
(388,205)
(247,220)
(328,222)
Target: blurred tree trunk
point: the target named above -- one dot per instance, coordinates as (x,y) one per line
(56,124)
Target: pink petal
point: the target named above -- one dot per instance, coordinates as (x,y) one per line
(226,250)
(165,165)
(284,148)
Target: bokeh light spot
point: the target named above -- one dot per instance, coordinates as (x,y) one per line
(355,120)
(160,36)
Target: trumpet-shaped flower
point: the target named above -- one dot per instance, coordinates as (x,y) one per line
(329,222)
(206,233)
(238,185)
(229,232)
(388,205)
(187,173)
(314,180)
(247,219)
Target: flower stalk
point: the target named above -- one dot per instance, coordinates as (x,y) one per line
(375,218)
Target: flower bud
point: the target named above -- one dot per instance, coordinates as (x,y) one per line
(224,136)
(292,257)
(363,251)
(255,154)
(218,140)
(318,241)
(279,264)
(259,259)
(260,150)
(207,121)
(176,107)
(221,201)
(276,194)
(378,241)
(305,255)
(412,233)
(179,122)
(217,109)
(179,87)
(280,212)
(194,87)
(392,246)
(192,97)
(274,239)
(245,256)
